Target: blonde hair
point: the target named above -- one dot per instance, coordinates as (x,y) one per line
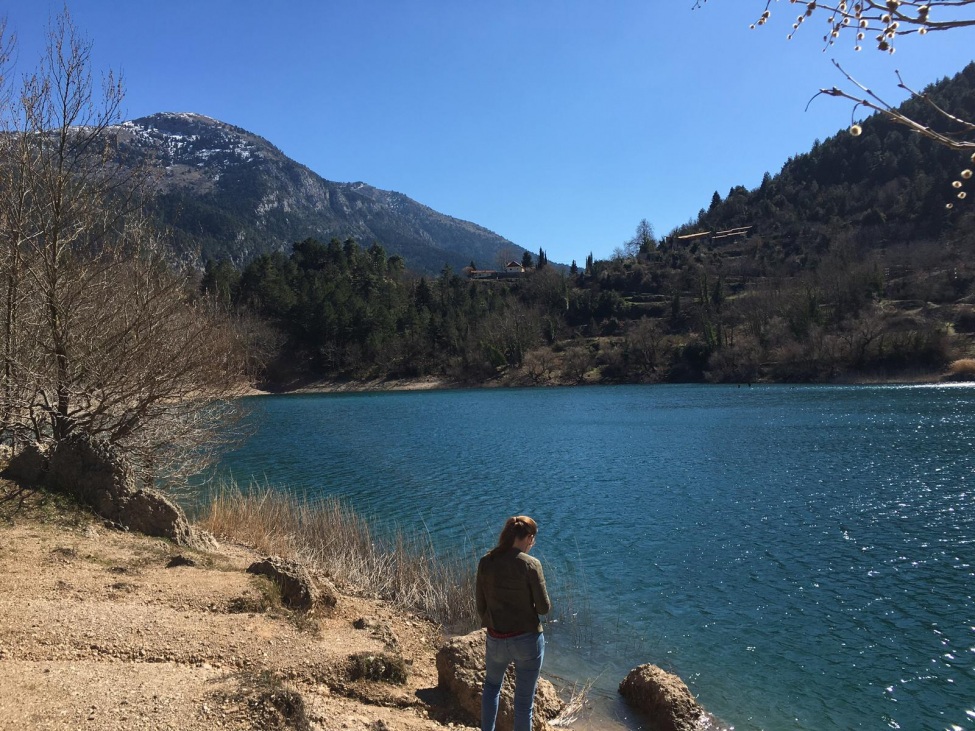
(515,527)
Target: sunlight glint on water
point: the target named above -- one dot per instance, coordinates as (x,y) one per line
(801,556)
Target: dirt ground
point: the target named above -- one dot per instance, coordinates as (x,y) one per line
(98,631)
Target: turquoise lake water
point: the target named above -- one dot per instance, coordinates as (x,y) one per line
(801,556)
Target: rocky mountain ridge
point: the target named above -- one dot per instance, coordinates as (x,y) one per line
(224,192)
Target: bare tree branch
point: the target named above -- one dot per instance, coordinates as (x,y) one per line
(99,335)
(870,100)
(890,20)
(884,21)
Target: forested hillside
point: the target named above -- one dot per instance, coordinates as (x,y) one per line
(853,262)
(885,186)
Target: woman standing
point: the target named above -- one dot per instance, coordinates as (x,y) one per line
(510,595)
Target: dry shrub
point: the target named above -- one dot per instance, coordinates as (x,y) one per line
(962,370)
(272,703)
(378,666)
(331,538)
(575,706)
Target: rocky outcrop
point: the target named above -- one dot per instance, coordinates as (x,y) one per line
(460,672)
(97,476)
(27,466)
(298,589)
(102,479)
(662,697)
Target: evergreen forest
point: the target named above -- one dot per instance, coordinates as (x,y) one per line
(854,262)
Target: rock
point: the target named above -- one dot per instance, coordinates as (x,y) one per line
(204,540)
(328,596)
(663,697)
(180,560)
(27,466)
(460,672)
(378,628)
(98,476)
(298,589)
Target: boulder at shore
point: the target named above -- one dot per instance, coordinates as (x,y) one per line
(298,590)
(663,697)
(101,478)
(460,671)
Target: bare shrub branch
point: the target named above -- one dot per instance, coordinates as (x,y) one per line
(99,336)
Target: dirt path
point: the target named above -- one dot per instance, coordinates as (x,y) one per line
(98,632)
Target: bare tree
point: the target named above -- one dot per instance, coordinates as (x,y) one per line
(576,363)
(644,240)
(539,364)
(644,343)
(100,337)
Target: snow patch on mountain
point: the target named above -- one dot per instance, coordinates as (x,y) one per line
(201,143)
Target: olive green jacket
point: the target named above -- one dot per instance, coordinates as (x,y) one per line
(511,592)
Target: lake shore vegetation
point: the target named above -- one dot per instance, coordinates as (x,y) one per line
(331,538)
(107,629)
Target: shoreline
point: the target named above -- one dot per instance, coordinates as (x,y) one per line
(365,386)
(436,383)
(111,630)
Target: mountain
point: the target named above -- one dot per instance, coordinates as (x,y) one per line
(229,194)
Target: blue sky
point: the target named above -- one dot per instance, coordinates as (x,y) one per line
(557,124)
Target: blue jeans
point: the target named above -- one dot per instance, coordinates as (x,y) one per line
(526,652)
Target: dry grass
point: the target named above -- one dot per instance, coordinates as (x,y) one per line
(576,704)
(330,537)
(380,667)
(962,370)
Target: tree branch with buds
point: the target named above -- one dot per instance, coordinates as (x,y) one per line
(883,22)
(870,100)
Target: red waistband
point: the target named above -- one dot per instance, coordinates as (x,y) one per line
(502,635)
